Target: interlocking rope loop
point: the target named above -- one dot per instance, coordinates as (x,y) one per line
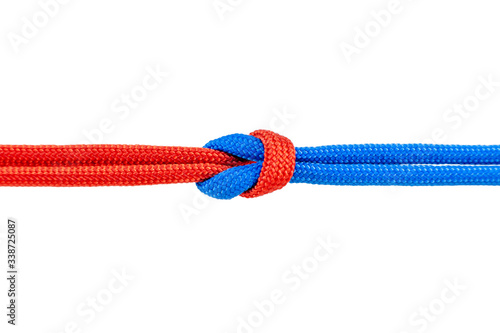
(249,165)
(274,157)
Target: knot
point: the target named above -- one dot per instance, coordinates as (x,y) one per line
(272,163)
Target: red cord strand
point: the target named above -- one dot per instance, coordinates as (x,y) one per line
(76,155)
(109,165)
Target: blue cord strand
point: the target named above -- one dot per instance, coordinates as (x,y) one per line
(400,154)
(394,174)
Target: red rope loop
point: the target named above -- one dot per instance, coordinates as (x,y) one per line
(278,165)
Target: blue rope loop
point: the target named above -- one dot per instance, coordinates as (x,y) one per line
(233,182)
(367,164)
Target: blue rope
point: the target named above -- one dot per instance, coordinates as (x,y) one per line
(370,164)
(394,174)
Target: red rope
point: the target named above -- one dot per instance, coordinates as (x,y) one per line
(109,165)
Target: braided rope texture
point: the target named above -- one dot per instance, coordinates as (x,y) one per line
(109,165)
(249,165)
(274,157)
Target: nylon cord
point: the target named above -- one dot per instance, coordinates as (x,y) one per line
(249,165)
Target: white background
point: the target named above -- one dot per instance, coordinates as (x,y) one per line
(236,71)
